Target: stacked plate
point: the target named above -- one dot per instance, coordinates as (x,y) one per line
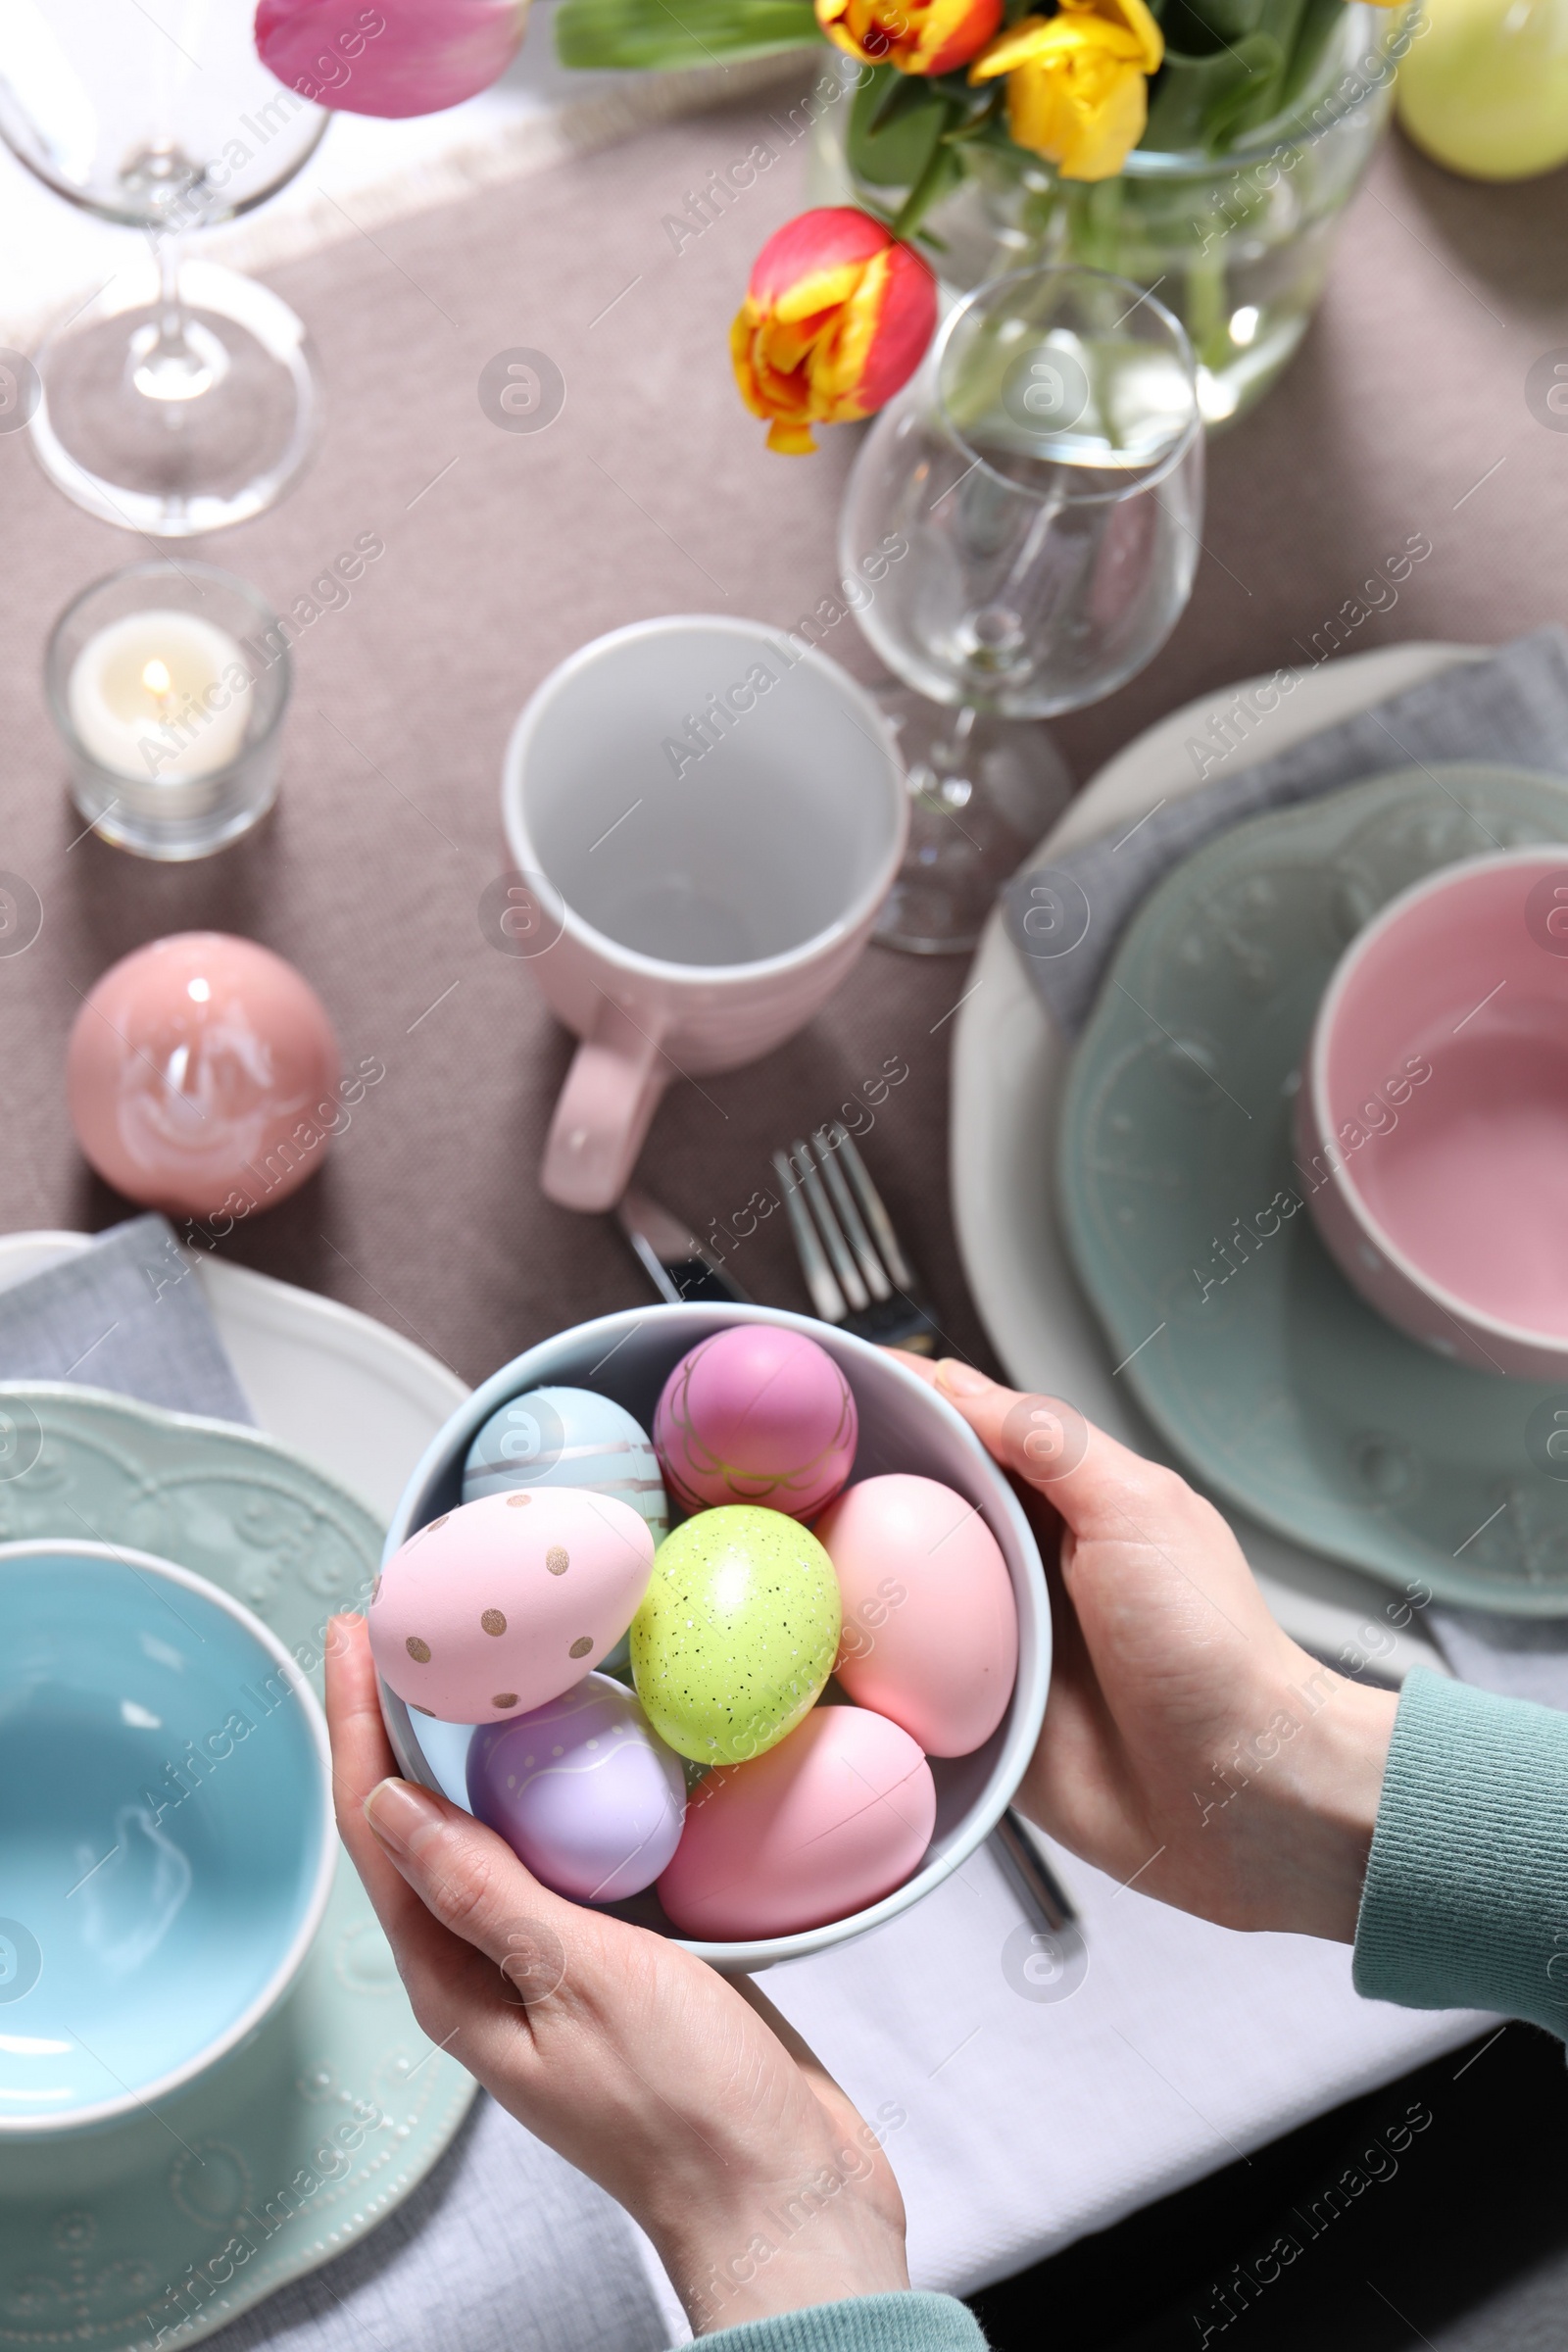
(1170,1142)
(202,2187)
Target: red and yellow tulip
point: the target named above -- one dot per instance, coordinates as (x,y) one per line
(918,36)
(836,319)
(1078,83)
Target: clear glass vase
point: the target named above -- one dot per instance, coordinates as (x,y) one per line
(1237,244)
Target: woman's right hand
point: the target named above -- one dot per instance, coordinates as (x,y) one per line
(1189,1745)
(685,2095)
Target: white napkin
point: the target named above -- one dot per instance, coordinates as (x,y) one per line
(1020,2112)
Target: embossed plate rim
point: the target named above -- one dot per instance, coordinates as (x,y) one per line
(1391,1552)
(237,1454)
(1008,1064)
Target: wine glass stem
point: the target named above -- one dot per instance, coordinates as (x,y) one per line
(168,366)
(168,249)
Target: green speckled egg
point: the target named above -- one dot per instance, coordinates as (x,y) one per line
(737,1633)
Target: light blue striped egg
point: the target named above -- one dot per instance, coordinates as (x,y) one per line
(567,1437)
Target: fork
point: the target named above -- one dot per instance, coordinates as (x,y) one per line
(851,1257)
(861,1279)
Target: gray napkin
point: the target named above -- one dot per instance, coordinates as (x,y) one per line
(127,1314)
(1522,1657)
(504,2248)
(1512,706)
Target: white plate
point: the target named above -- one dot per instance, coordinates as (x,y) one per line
(1008,1065)
(360,1402)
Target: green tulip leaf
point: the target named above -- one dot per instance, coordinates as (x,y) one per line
(942,174)
(1222,20)
(1201,101)
(893,134)
(651,33)
(1319,20)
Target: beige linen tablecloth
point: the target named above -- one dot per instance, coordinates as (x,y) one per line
(1405,414)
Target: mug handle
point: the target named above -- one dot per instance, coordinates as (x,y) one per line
(606,1107)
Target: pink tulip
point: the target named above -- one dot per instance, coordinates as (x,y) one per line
(395,56)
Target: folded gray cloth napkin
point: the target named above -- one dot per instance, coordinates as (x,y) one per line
(127,1314)
(1523,1658)
(505,2247)
(1510,707)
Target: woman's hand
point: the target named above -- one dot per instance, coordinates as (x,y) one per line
(1190,1746)
(683,2094)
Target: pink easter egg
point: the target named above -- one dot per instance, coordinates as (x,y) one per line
(204,1078)
(502,1605)
(826,1823)
(582,1791)
(756,1414)
(930,1624)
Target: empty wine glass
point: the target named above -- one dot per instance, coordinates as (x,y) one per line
(185,401)
(1044,476)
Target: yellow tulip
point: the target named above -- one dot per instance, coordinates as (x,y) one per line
(1078,83)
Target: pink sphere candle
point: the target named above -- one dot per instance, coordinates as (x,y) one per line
(756,1414)
(203,1076)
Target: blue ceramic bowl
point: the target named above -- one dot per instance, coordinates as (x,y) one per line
(166,1837)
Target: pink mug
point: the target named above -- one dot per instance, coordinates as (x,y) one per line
(704,815)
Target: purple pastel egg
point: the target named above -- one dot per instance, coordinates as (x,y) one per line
(756,1414)
(584,1790)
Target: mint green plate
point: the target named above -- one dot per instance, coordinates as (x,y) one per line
(1280,1389)
(338,2105)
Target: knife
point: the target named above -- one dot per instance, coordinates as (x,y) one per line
(675,1261)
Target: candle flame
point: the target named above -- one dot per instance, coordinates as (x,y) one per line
(157,680)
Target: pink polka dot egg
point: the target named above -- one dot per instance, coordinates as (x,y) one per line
(756,1414)
(499,1607)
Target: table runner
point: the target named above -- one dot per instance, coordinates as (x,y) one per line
(1406,411)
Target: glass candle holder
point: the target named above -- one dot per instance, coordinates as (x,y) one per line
(168,684)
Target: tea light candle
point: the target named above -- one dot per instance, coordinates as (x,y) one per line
(161,693)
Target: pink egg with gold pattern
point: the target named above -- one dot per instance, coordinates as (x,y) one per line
(204,1078)
(756,1414)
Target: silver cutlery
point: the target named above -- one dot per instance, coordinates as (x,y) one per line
(679,1266)
(851,1257)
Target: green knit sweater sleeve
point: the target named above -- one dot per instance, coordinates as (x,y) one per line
(1466,1897)
(868,2323)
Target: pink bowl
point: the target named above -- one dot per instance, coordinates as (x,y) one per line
(1433,1114)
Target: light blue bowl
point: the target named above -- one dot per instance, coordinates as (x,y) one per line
(167,1843)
